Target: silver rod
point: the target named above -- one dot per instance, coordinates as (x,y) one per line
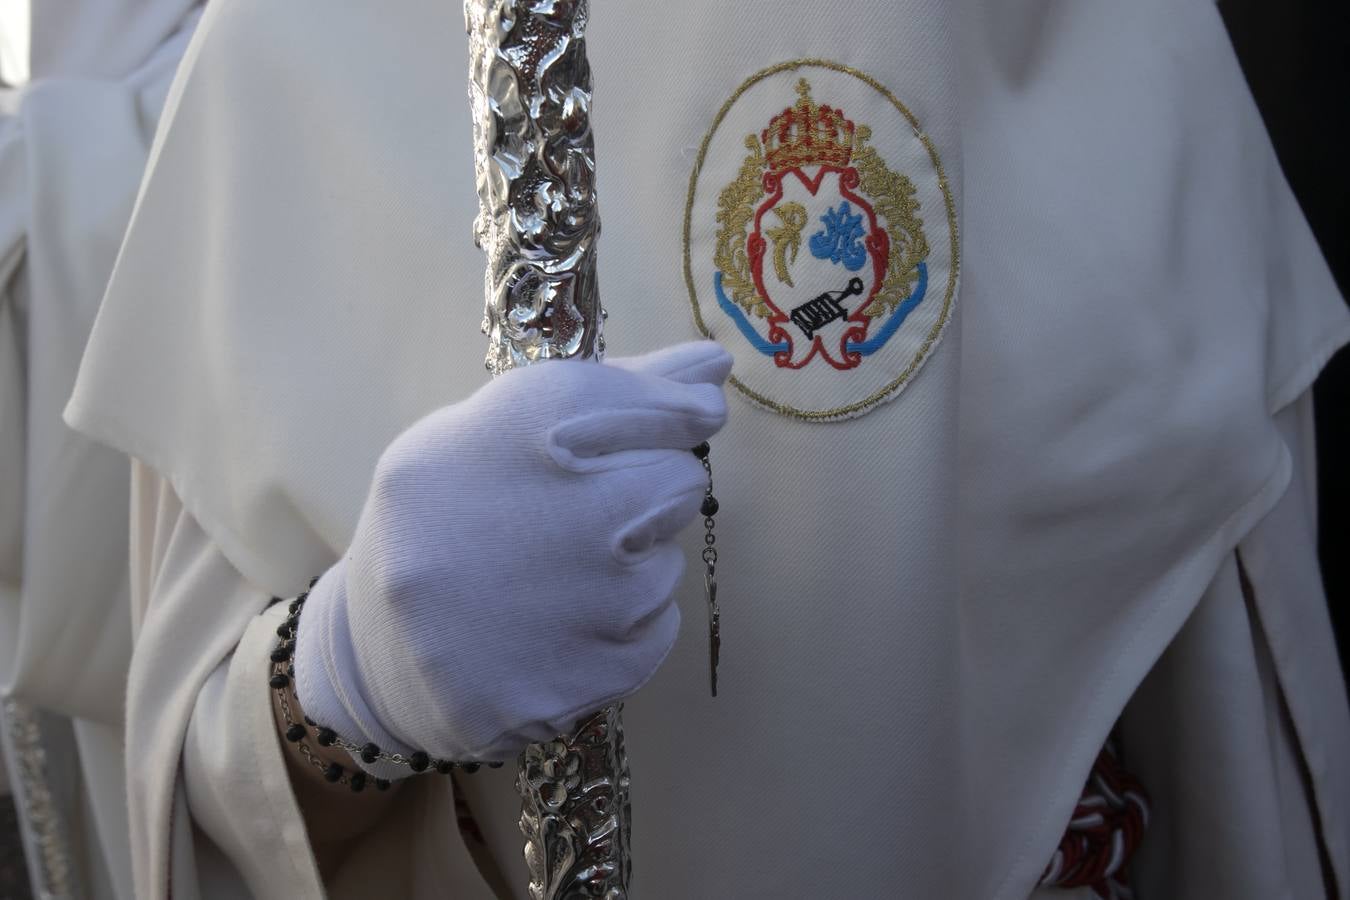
(530,89)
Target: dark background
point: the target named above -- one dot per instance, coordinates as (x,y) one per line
(1296,56)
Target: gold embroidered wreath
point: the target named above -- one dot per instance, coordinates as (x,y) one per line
(892,197)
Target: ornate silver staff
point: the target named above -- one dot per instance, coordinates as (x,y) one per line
(530,87)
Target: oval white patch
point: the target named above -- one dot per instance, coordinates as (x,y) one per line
(820,240)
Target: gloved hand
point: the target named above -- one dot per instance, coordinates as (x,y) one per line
(514,566)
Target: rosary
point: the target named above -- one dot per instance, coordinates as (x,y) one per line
(709,510)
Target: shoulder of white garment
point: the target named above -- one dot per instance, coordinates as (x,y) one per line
(312,253)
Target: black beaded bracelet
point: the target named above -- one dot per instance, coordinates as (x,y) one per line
(283,674)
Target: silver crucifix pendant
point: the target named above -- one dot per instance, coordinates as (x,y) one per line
(714,630)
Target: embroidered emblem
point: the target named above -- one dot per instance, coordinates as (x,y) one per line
(806,236)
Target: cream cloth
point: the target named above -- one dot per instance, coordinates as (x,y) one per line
(73,144)
(934,612)
(71,155)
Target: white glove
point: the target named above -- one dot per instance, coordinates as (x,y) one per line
(514,566)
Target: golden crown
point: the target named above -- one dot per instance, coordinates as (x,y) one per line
(806,134)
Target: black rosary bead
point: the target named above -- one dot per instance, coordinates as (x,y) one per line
(702,450)
(283,655)
(709,507)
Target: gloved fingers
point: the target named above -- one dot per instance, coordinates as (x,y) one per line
(642,593)
(578,443)
(693,362)
(611,660)
(665,515)
(624,510)
(632,666)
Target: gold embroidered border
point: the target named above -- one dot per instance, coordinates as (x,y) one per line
(930,341)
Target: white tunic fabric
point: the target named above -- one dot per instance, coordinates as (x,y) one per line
(73,144)
(933,613)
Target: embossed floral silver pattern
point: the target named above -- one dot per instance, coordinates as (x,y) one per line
(530,89)
(575,817)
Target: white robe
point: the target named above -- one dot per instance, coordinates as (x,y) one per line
(933,612)
(73,143)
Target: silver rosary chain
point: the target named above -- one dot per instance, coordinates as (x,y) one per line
(283,681)
(710,509)
(709,535)
(303,746)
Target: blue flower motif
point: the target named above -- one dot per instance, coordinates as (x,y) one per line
(841,240)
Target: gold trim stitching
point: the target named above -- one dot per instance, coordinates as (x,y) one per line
(943,316)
